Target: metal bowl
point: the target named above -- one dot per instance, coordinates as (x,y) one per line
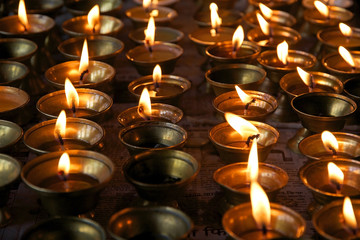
(57,228)
(13,104)
(140,16)
(162,34)
(10,134)
(17,49)
(47,7)
(82,7)
(160,176)
(13,73)
(149,223)
(152,135)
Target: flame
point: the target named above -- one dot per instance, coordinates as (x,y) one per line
(22,14)
(345,30)
(245,98)
(157,75)
(84,60)
(345,54)
(146,3)
(305,76)
(238,38)
(336,176)
(144,108)
(242,126)
(322,8)
(154,13)
(60,125)
(260,205)
(64,164)
(72,97)
(150,33)
(264,25)
(265,10)
(329,141)
(215,19)
(349,215)
(253,162)
(282,52)
(93,17)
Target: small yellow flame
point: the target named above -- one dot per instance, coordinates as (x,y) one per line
(335,174)
(146,3)
(348,213)
(238,38)
(215,19)
(64,164)
(322,8)
(93,18)
(346,55)
(144,108)
(260,205)
(345,30)
(22,14)
(329,141)
(242,126)
(150,33)
(266,11)
(305,76)
(282,51)
(253,162)
(72,97)
(84,60)
(60,125)
(245,98)
(264,25)
(157,74)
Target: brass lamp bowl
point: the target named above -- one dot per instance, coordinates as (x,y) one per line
(17,49)
(14,104)
(278,4)
(313,147)
(332,38)
(93,170)
(314,175)
(93,104)
(170,90)
(329,221)
(78,26)
(160,176)
(101,48)
(13,73)
(80,134)
(159,112)
(323,111)
(233,180)
(140,16)
(224,78)
(151,223)
(337,66)
(82,7)
(57,228)
(293,86)
(285,222)
(162,34)
(278,18)
(231,146)
(46,7)
(352,89)
(152,135)
(264,105)
(222,53)
(10,133)
(10,170)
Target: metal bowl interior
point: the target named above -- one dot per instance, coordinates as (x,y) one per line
(38,6)
(100,47)
(149,223)
(280,34)
(352,88)
(12,73)
(162,34)
(12,99)
(313,147)
(141,15)
(80,134)
(230,18)
(9,171)
(10,133)
(82,7)
(152,135)
(17,49)
(58,228)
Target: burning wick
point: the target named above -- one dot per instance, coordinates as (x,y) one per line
(62,175)
(307,78)
(82,75)
(22,15)
(336,176)
(60,129)
(215,19)
(84,62)
(245,98)
(72,96)
(157,77)
(64,169)
(251,138)
(237,40)
(150,34)
(144,108)
(350,223)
